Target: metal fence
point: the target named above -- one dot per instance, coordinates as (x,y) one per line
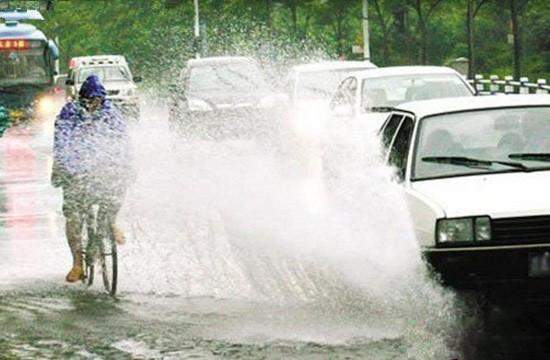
(495,85)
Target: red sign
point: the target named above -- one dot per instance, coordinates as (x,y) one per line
(13,44)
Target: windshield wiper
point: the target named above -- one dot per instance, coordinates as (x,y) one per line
(471,162)
(531,156)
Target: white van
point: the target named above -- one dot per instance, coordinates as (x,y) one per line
(115,74)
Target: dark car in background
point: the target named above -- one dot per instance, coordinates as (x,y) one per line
(224,97)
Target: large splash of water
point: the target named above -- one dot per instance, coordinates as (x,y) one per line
(238,219)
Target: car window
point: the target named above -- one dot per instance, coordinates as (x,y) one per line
(389,91)
(400,147)
(491,135)
(389,130)
(105,73)
(226,78)
(322,84)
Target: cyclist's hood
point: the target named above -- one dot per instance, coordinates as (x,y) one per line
(92,87)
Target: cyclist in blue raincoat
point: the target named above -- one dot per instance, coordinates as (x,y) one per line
(92,163)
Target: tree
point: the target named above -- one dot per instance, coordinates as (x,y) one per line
(516,9)
(473,7)
(156,36)
(384,21)
(268,11)
(424,10)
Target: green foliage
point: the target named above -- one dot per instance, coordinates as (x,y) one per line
(4,120)
(157,35)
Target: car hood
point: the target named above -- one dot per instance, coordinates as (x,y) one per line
(496,195)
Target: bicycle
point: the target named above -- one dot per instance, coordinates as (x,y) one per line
(99,248)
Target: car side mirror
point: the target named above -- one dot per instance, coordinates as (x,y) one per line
(69,82)
(138,79)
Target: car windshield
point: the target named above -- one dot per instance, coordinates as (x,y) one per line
(226,78)
(313,85)
(23,67)
(105,73)
(480,142)
(390,91)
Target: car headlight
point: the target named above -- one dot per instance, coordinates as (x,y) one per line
(46,105)
(198,105)
(464,230)
(483,228)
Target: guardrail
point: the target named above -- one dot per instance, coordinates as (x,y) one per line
(495,85)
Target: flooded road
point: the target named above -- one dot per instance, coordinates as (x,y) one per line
(226,259)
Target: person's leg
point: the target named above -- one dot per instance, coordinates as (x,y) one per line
(118,234)
(72,231)
(113,203)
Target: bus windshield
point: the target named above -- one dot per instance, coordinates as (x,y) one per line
(23,67)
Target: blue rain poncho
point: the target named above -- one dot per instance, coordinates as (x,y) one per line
(92,147)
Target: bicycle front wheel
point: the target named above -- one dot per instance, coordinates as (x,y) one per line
(109,266)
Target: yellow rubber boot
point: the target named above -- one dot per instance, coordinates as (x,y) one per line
(76,274)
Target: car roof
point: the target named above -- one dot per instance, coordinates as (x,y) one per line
(333,65)
(20,14)
(219,60)
(440,106)
(15,30)
(97,60)
(404,70)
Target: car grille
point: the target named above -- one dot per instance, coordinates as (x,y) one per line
(532,229)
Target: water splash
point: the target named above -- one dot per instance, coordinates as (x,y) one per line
(237,219)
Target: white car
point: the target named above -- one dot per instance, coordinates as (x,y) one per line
(115,74)
(476,174)
(370,95)
(318,81)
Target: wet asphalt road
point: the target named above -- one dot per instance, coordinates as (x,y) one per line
(41,317)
